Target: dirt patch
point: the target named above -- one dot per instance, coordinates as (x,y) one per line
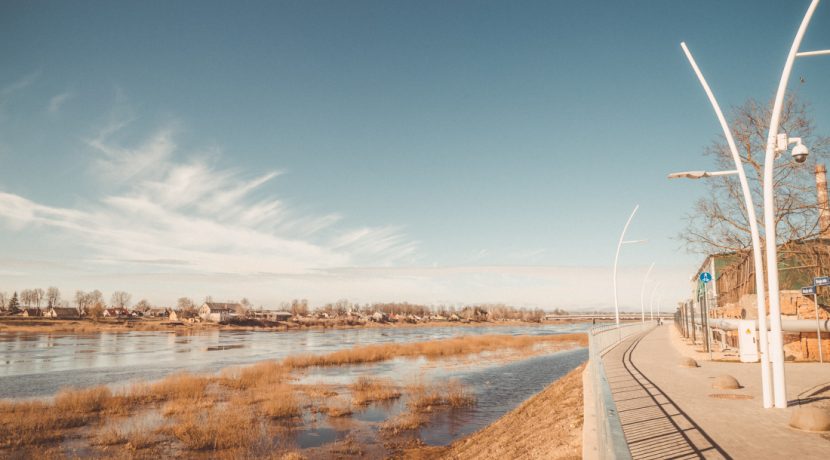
(546,426)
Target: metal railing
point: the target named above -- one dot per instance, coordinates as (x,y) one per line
(611,443)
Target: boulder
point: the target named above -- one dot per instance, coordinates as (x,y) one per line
(726,382)
(810,418)
(688,362)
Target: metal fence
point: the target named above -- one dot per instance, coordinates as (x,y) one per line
(611,443)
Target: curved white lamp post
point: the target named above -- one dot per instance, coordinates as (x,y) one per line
(616,260)
(757,255)
(651,301)
(642,294)
(777,144)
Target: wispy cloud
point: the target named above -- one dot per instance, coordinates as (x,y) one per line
(18,85)
(57,101)
(170,209)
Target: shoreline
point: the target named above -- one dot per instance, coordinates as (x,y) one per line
(546,425)
(37,325)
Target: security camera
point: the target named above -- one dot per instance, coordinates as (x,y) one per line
(800,153)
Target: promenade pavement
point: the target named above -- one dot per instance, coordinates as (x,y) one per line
(669,411)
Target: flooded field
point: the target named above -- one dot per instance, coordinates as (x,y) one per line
(40,364)
(487,383)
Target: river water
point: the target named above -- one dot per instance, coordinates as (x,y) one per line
(40,364)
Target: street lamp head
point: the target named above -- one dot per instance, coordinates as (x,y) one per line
(689,175)
(800,153)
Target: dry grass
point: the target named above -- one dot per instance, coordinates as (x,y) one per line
(177,386)
(548,425)
(406,421)
(456,395)
(140,438)
(424,397)
(340,407)
(219,413)
(293,456)
(217,429)
(110,436)
(183,406)
(367,389)
(264,373)
(85,401)
(34,422)
(433,349)
(280,403)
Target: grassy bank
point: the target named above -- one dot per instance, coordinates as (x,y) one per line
(548,425)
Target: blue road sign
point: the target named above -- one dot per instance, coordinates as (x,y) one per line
(808,290)
(706,277)
(822,281)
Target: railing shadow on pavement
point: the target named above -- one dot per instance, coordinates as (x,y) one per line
(610,438)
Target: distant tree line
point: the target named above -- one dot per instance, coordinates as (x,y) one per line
(93,304)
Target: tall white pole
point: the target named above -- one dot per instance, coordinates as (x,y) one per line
(776,337)
(818,330)
(642,294)
(659,299)
(651,302)
(616,259)
(757,255)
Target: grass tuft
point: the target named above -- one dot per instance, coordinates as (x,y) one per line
(281,403)
(366,390)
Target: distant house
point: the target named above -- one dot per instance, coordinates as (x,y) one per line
(379,317)
(216,312)
(62,313)
(116,313)
(157,312)
(183,316)
(32,312)
(271,315)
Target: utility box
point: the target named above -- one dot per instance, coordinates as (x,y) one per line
(748,341)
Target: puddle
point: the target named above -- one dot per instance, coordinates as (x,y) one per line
(380,411)
(316,437)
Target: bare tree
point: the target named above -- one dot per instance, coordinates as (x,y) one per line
(120,299)
(185,304)
(96,297)
(53,296)
(143,305)
(4,300)
(26,297)
(244,306)
(719,222)
(38,294)
(96,309)
(299,307)
(81,301)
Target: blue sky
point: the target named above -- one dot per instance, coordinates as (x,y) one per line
(439,152)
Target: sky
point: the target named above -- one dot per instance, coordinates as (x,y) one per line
(433,152)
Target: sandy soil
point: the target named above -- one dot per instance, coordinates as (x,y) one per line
(546,426)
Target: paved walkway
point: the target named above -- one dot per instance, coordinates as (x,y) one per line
(668,411)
